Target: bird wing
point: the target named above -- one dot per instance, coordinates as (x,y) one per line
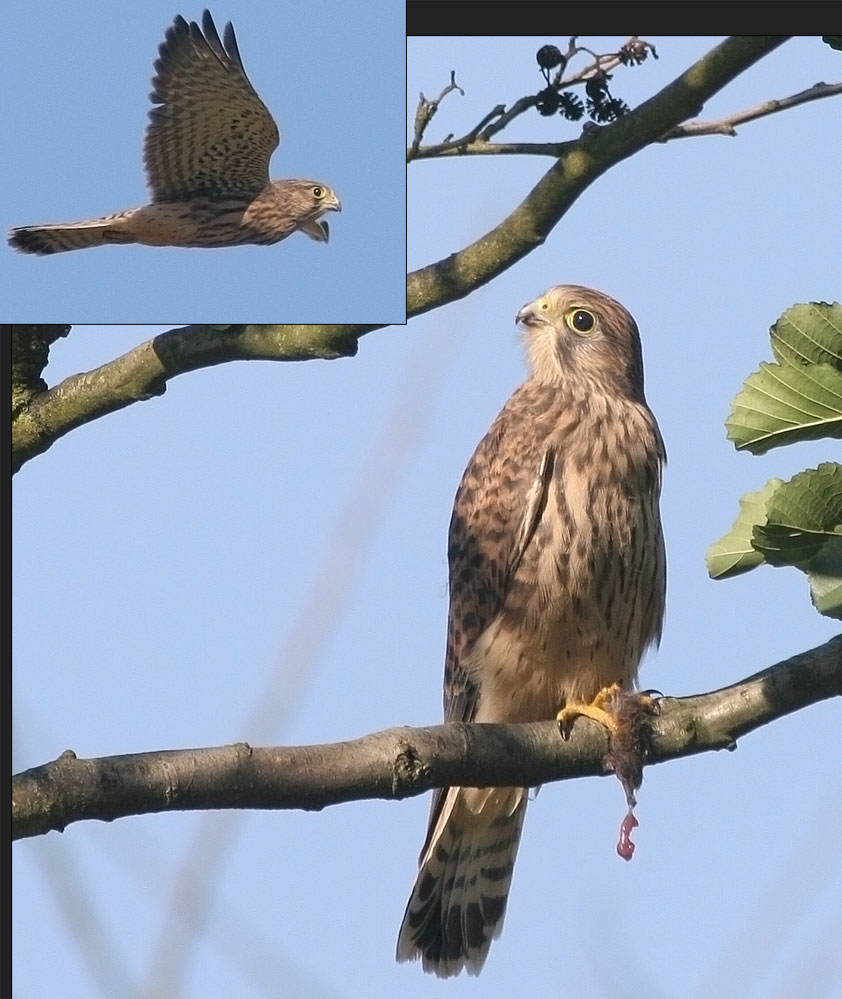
(497,509)
(209,132)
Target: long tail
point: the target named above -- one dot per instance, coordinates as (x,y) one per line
(63,236)
(459,898)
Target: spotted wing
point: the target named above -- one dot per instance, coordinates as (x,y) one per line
(209,133)
(497,508)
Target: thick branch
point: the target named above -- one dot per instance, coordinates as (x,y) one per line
(579,164)
(30,354)
(402,762)
(43,416)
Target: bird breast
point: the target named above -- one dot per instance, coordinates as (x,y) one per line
(587,596)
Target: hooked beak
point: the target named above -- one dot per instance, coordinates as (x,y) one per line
(526,317)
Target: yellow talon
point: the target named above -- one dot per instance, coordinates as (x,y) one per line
(598,709)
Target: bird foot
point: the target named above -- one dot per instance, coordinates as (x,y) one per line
(626,715)
(600,709)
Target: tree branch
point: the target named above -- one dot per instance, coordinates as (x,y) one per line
(41,416)
(476,142)
(30,353)
(636,52)
(579,164)
(402,762)
(426,110)
(728,125)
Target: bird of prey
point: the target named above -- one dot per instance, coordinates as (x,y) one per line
(206,153)
(557,587)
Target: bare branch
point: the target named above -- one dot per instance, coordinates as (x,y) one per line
(478,138)
(581,163)
(44,415)
(402,762)
(477,142)
(728,126)
(426,110)
(470,141)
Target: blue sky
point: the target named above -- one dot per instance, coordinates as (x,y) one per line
(76,81)
(259,554)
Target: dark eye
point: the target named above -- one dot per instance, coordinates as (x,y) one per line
(318,192)
(581,321)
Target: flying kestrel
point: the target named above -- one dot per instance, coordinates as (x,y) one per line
(557,582)
(206,153)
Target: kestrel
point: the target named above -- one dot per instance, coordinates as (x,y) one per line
(557,585)
(206,153)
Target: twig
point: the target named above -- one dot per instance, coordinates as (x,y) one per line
(426,109)
(598,150)
(728,126)
(476,142)
(487,127)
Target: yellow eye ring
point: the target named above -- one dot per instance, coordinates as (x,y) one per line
(581,321)
(318,193)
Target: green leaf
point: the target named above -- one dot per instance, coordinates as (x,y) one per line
(811,500)
(826,579)
(834,41)
(734,553)
(802,516)
(785,523)
(809,333)
(785,545)
(784,403)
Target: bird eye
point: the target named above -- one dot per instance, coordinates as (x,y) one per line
(318,192)
(581,321)
(544,305)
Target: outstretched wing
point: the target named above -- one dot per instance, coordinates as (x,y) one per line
(210,133)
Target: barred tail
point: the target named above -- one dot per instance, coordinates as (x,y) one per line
(459,898)
(43,239)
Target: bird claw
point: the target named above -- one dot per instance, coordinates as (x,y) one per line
(625,715)
(598,710)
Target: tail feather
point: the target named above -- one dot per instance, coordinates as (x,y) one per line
(459,898)
(56,238)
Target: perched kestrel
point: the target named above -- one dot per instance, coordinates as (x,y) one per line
(206,153)
(557,582)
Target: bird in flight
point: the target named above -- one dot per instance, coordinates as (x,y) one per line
(206,153)
(557,578)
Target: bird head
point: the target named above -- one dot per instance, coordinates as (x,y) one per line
(315,199)
(578,336)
